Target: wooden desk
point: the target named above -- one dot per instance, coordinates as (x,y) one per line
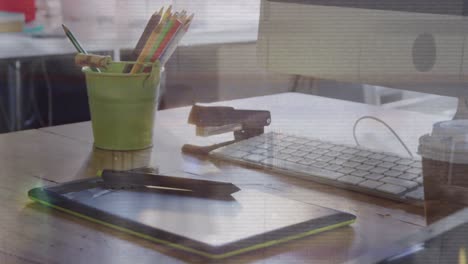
(31,233)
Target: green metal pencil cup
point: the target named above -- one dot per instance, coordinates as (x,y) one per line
(122,106)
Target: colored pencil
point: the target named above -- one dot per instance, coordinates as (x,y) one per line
(151,41)
(161,38)
(150,26)
(172,46)
(176,25)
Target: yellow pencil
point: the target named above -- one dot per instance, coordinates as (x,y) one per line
(149,44)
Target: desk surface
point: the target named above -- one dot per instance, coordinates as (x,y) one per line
(34,234)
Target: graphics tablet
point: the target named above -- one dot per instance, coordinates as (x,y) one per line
(250,219)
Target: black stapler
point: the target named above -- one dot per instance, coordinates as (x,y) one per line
(214,120)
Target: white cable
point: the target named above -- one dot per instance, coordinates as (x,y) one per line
(385,124)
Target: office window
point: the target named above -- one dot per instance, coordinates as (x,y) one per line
(211,15)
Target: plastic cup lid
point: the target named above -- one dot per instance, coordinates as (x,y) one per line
(447,142)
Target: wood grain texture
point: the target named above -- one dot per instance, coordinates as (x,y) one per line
(31,233)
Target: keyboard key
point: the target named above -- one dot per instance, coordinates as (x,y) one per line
(350,151)
(338,148)
(324,159)
(364,153)
(312,156)
(351,164)
(265,146)
(281,156)
(417,194)
(408,176)
(374,176)
(337,161)
(405,162)
(351,179)
(325,146)
(377,156)
(346,170)
(284,143)
(387,165)
(401,168)
(320,151)
(372,162)
(299,153)
(391,188)
(272,162)
(294,167)
(306,161)
(379,170)
(254,158)
(294,159)
(332,153)
(273,154)
(258,144)
(365,167)
(415,170)
(391,159)
(400,182)
(370,184)
(358,159)
(333,167)
(345,156)
(360,173)
(245,148)
(319,164)
(393,173)
(313,143)
(288,150)
(238,154)
(263,152)
(295,146)
(306,148)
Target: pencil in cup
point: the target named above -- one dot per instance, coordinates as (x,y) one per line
(151,25)
(174,42)
(151,41)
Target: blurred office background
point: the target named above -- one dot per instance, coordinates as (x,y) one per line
(41,86)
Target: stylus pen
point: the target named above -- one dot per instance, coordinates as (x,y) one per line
(127,179)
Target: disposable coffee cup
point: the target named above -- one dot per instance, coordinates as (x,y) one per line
(445,168)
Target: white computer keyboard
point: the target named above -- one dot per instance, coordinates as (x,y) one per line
(349,167)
